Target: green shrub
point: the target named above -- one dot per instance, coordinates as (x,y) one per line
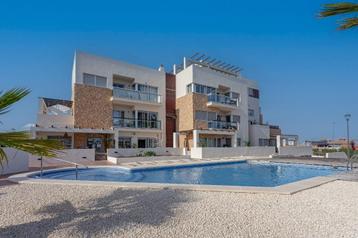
(149,153)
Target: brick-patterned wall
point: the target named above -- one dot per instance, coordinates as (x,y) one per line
(92,107)
(186,107)
(185,113)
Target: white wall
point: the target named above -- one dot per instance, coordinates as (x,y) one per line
(295,151)
(336,155)
(45,120)
(215,152)
(73,155)
(18,161)
(257,132)
(134,152)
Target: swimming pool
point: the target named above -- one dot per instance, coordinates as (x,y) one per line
(243,173)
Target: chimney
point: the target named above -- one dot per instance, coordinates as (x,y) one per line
(161,68)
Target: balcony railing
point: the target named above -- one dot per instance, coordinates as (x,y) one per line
(222,99)
(136,95)
(222,125)
(135,123)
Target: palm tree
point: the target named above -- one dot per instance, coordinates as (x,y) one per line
(344,8)
(21,140)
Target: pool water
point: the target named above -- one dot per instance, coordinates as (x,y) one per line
(263,174)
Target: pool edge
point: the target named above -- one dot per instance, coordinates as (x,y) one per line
(285,189)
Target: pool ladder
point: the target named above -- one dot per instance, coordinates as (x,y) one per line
(351,160)
(66,161)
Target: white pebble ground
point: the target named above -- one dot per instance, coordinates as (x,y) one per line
(26,210)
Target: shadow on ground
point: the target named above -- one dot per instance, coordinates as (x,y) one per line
(119,210)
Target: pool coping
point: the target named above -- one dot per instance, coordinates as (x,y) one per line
(285,189)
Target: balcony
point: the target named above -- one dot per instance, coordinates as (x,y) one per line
(223,125)
(222,102)
(136,124)
(129,95)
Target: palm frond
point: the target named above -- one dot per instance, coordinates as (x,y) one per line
(10,97)
(21,140)
(333,9)
(348,23)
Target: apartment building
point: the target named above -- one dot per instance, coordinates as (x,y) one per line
(216,106)
(202,103)
(113,105)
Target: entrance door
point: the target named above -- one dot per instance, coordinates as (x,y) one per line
(141,143)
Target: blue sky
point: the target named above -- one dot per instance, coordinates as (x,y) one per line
(306,69)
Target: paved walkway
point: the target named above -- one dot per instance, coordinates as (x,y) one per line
(32,210)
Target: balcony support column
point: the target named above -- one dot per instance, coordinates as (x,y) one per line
(175,139)
(196,139)
(234,140)
(136,119)
(116,136)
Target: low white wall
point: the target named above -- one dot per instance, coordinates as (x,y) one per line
(215,152)
(295,151)
(17,161)
(74,155)
(336,155)
(45,120)
(134,152)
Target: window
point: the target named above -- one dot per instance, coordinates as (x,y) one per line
(118,85)
(254,93)
(89,79)
(201,115)
(101,81)
(198,88)
(235,95)
(251,113)
(147,142)
(238,141)
(124,142)
(236,118)
(211,116)
(94,80)
(147,89)
(189,88)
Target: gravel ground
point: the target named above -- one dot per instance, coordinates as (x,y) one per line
(93,211)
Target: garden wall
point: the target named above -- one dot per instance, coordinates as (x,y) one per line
(216,152)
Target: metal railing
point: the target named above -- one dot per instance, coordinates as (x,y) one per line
(222,125)
(66,161)
(222,99)
(136,95)
(353,159)
(135,123)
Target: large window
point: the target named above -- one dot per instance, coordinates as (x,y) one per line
(251,113)
(124,142)
(198,88)
(236,118)
(147,142)
(254,93)
(201,115)
(94,80)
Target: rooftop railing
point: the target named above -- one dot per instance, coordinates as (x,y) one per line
(222,99)
(136,123)
(136,95)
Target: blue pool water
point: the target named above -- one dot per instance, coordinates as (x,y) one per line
(263,174)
